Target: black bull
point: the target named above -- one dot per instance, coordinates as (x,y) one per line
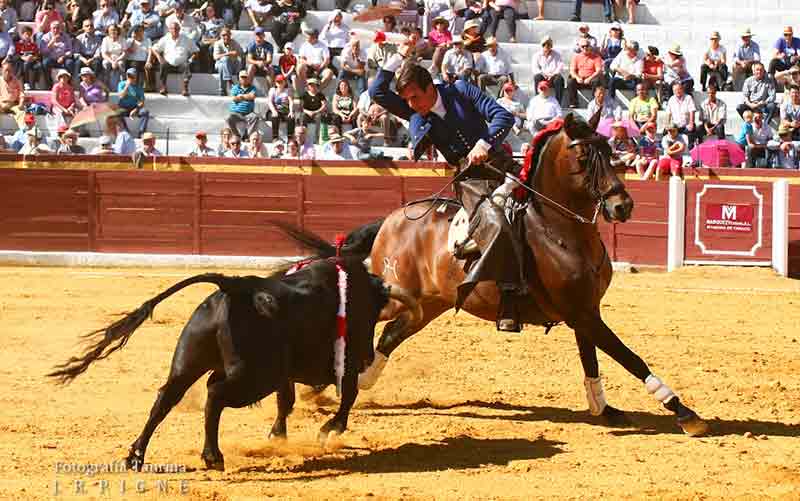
(257,336)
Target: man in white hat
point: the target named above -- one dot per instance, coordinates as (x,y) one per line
(457,63)
(34,145)
(148,147)
(715,63)
(494,66)
(675,71)
(547,66)
(747,53)
(336,148)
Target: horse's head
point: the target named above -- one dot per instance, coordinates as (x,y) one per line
(584,165)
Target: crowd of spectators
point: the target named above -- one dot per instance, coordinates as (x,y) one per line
(316,101)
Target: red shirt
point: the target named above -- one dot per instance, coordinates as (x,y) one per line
(286,62)
(586,65)
(23,48)
(63,94)
(651,67)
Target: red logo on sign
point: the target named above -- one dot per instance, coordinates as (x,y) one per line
(730,217)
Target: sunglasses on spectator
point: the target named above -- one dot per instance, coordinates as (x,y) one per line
(584,46)
(237,143)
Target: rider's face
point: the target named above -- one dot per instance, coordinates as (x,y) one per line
(421,101)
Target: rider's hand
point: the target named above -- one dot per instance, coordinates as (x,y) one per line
(479,153)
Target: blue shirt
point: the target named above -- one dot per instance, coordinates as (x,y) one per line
(132,97)
(124,145)
(789,50)
(741,138)
(5,45)
(259,51)
(155,30)
(244,107)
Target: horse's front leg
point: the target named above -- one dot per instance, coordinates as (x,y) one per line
(604,338)
(595,393)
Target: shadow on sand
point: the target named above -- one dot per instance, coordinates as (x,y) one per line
(644,423)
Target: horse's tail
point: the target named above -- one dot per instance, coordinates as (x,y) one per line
(357,244)
(107,340)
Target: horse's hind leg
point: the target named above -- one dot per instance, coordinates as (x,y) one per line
(595,394)
(394,333)
(604,338)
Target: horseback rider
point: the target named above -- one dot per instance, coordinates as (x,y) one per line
(453,117)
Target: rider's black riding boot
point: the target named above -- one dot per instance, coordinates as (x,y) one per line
(508,314)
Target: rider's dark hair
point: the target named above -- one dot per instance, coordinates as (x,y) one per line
(411,72)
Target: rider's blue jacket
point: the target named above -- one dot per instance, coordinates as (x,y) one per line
(466,113)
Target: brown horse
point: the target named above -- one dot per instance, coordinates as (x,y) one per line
(570,269)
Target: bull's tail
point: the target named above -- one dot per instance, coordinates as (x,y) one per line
(357,244)
(107,340)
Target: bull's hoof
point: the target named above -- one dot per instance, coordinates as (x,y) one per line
(325,437)
(693,425)
(135,460)
(278,436)
(214,461)
(615,417)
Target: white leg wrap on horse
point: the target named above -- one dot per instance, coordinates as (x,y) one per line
(658,389)
(595,395)
(369,377)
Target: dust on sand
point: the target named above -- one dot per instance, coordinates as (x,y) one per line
(461,411)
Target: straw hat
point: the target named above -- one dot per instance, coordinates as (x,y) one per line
(676,49)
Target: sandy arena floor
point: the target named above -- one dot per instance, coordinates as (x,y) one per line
(461,412)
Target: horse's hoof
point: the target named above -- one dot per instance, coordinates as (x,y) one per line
(368,378)
(214,462)
(312,392)
(277,437)
(615,417)
(134,461)
(693,425)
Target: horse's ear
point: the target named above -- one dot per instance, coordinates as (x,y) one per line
(573,125)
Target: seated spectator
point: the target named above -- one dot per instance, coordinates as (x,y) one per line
(123,143)
(354,65)
(211,26)
(674,145)
(608,105)
(279,105)
(626,69)
(315,106)
(681,111)
(256,147)
(259,12)
(137,54)
(507,101)
(287,16)
(236,150)
(494,67)
(472,38)
(165,8)
(788,78)
(62,98)
(343,106)
(543,108)
(507,10)
(457,64)
(225,141)
(104,146)
(653,72)
(175,53)
(643,108)
(612,44)
(585,72)
(27,11)
(56,50)
(623,149)
(389,24)
(259,57)
(8,16)
(69,144)
(113,51)
(104,17)
(188,24)
(547,66)
(27,57)
(314,60)
(45,17)
(784,150)
(746,130)
(11,95)
(131,101)
(242,107)
(373,119)
(647,159)
(87,48)
(785,52)
(713,113)
(759,93)
(145,16)
(278,149)
(148,147)
(715,64)
(288,65)
(336,149)
(790,112)
(201,148)
(747,53)
(91,90)
(227,55)
(20,137)
(583,34)
(381,51)
(34,145)
(675,72)
(753,138)
(335,34)
(307,149)
(292,149)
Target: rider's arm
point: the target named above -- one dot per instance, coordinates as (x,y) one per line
(380,92)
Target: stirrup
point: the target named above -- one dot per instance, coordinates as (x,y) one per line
(508,315)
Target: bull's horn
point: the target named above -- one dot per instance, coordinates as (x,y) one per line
(409,301)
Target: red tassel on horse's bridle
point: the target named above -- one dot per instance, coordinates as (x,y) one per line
(339,244)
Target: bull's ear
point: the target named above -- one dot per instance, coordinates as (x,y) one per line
(594,121)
